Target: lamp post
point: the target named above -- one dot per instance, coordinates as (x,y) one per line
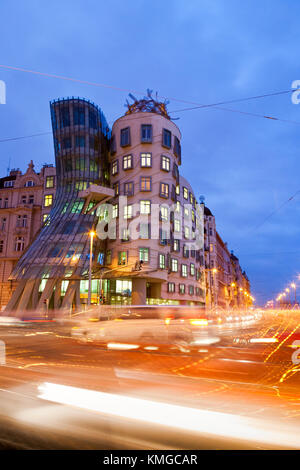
(91,234)
(293,285)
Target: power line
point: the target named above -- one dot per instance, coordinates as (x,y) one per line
(198,105)
(276,210)
(25,136)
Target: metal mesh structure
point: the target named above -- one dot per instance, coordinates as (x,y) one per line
(60,251)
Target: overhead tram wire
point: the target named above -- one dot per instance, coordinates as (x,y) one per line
(198,105)
(275,211)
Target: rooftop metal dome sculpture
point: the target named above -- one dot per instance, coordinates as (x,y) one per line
(147,105)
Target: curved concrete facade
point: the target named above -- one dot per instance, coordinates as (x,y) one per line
(145,159)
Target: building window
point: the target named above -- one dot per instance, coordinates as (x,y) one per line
(184,270)
(64,117)
(9,184)
(186,232)
(146,133)
(145,183)
(116,188)
(191,290)
(144,254)
(185,193)
(164,190)
(67,143)
(80,141)
(78,116)
(174,265)
(166,138)
(125,235)
(1,246)
(185,251)
(165,163)
(161,261)
(22,221)
(125,137)
(178,207)
(128,212)
(92,119)
(177,225)
(176,245)
(108,257)
(186,212)
(146,160)
(145,207)
(177,190)
(3,224)
(175,172)
(31,199)
(19,244)
(48,200)
(6,203)
(45,217)
(129,189)
(144,231)
(181,288)
(115,168)
(50,182)
(163,237)
(177,147)
(115,211)
(192,269)
(191,198)
(122,258)
(127,162)
(171,287)
(164,213)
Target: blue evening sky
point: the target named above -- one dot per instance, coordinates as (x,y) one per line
(203,51)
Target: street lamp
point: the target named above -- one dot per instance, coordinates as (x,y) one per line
(91,234)
(293,285)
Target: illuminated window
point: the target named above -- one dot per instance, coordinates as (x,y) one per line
(164,211)
(177,225)
(145,183)
(50,182)
(146,160)
(192,269)
(127,162)
(178,190)
(115,167)
(108,257)
(115,211)
(185,193)
(191,290)
(174,265)
(144,231)
(165,163)
(116,188)
(144,254)
(181,288)
(164,190)
(122,257)
(171,287)
(128,212)
(186,232)
(48,200)
(184,270)
(145,207)
(161,261)
(176,245)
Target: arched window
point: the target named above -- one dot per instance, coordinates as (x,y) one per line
(29,184)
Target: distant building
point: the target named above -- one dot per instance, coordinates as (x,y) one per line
(25,201)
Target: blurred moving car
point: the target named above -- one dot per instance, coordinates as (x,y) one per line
(151,327)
